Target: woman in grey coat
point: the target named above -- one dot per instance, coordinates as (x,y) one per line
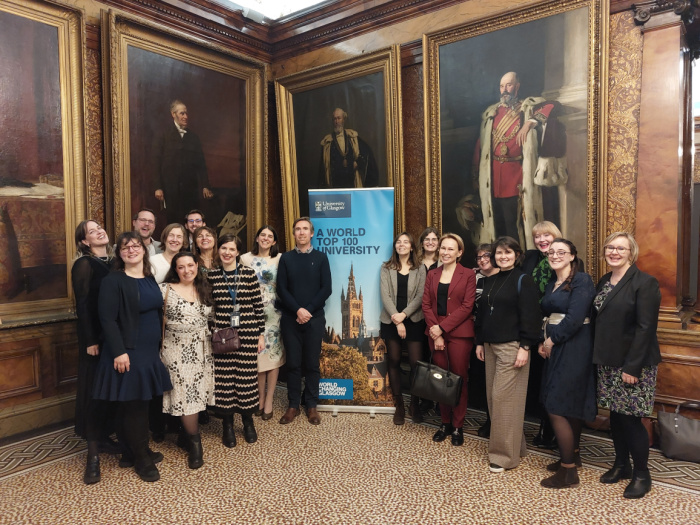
(402,325)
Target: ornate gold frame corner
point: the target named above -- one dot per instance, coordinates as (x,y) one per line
(69,22)
(120,31)
(597,86)
(386,60)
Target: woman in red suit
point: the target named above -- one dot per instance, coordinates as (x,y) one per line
(448,300)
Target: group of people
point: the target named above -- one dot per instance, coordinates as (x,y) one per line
(598,343)
(146,312)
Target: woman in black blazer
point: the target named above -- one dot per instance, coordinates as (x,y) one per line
(626,350)
(402,279)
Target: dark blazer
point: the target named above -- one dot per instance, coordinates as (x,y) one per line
(119,312)
(459,321)
(625,325)
(388,285)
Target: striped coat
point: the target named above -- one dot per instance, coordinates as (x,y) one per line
(236,374)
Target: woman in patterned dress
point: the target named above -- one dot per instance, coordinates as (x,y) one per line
(236,373)
(264,259)
(186,350)
(626,350)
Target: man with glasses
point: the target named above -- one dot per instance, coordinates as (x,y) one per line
(144,223)
(193,220)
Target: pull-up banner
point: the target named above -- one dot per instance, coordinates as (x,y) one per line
(355,228)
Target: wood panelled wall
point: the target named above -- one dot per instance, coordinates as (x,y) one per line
(38,363)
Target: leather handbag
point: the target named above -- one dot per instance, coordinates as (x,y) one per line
(435,383)
(225,340)
(680,436)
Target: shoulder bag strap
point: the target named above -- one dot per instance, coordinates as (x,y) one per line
(165,309)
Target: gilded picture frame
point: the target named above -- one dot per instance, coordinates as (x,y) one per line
(558,51)
(42,195)
(150,68)
(367,89)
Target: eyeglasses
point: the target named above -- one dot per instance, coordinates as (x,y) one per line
(130,248)
(485,256)
(619,249)
(431,241)
(558,254)
(146,221)
(194,221)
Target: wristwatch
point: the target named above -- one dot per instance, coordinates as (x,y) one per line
(525,347)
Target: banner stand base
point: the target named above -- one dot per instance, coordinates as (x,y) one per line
(372,411)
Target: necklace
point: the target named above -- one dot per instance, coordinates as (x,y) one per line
(488,296)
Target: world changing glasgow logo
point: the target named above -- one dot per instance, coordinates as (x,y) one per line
(335,389)
(331,205)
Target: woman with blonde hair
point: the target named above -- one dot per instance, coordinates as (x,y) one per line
(626,350)
(448,300)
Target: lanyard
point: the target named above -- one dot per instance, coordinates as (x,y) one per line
(231,291)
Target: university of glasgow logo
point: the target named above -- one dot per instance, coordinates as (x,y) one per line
(331,205)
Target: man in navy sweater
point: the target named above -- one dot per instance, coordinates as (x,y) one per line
(303,285)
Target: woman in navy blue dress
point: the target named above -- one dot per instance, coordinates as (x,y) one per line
(130,371)
(568,381)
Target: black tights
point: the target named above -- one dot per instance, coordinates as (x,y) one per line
(415,352)
(132,417)
(568,432)
(630,438)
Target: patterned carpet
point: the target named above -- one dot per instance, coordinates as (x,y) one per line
(350,469)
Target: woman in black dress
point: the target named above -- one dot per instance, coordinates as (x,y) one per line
(130,371)
(568,386)
(626,350)
(402,279)
(237,295)
(91,266)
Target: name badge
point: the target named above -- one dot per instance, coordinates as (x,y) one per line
(235,319)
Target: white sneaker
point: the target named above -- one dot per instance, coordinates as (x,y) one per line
(496,468)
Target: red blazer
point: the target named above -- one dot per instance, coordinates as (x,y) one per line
(459,321)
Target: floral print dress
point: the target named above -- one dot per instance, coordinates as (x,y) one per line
(186,353)
(265,269)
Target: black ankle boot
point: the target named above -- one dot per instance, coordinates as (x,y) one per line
(147,470)
(229,438)
(616,473)
(640,485)
(400,412)
(442,433)
(249,433)
(415,411)
(196,453)
(183,440)
(92,470)
(485,429)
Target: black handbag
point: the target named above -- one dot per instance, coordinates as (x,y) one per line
(225,340)
(435,383)
(680,436)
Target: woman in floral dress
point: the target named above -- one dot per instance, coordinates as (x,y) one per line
(186,350)
(264,259)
